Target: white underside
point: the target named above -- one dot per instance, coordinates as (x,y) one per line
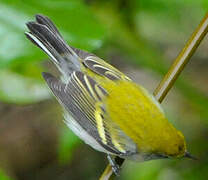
(81,133)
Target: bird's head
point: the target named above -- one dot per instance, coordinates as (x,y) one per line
(177,148)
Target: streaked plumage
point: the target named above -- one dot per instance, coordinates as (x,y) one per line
(103,106)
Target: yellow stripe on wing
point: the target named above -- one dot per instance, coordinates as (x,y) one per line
(90,88)
(102,68)
(100,125)
(116,143)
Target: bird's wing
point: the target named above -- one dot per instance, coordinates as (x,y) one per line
(82,98)
(102,68)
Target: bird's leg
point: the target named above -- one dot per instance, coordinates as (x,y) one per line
(113,163)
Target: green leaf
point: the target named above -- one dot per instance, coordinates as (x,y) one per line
(67,143)
(15,88)
(73,18)
(146,170)
(3,176)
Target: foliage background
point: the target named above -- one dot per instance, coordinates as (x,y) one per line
(139,37)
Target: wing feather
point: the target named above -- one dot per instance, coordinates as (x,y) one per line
(82,98)
(102,68)
(72,96)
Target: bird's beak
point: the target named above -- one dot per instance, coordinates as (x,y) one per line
(188,155)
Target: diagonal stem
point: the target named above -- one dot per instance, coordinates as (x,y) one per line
(172,74)
(181,60)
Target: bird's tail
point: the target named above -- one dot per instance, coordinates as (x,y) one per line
(46,36)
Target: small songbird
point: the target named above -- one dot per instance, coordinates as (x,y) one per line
(103,106)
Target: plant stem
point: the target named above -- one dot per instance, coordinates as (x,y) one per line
(181,60)
(174,71)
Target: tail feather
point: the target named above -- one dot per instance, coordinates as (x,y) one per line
(45,35)
(50,25)
(45,46)
(47,22)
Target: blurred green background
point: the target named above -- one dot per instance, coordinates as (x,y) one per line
(139,37)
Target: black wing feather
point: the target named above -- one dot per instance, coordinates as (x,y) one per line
(67,96)
(44,20)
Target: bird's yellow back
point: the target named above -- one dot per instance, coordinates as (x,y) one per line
(140,116)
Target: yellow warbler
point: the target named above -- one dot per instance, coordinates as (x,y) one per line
(103,106)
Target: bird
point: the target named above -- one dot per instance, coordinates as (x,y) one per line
(103,106)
